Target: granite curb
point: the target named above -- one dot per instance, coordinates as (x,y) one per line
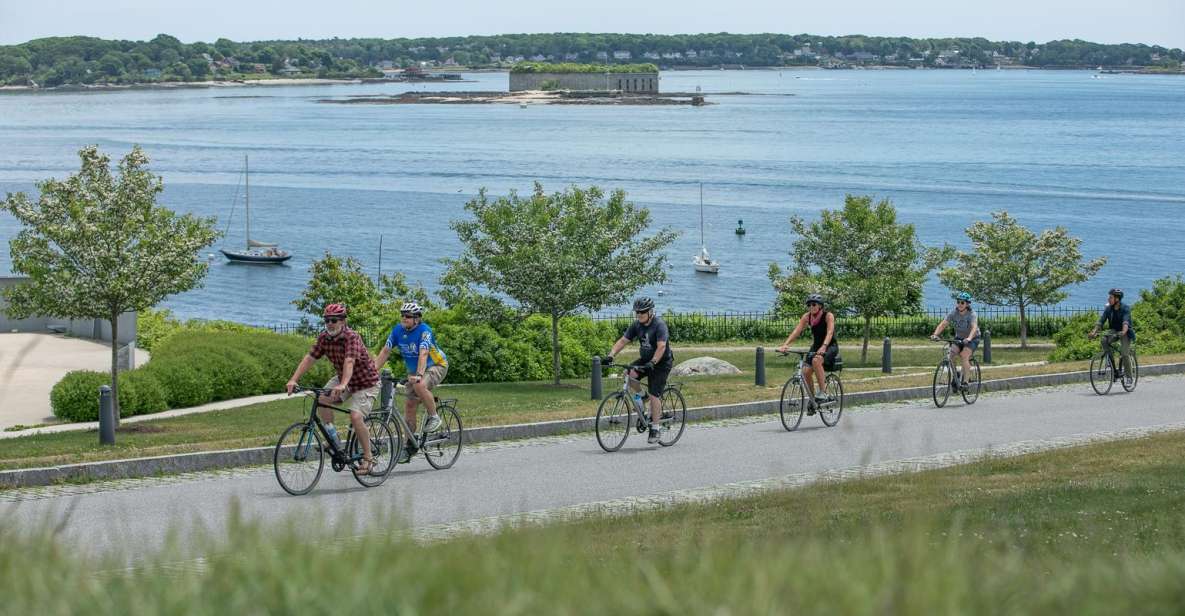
(207,460)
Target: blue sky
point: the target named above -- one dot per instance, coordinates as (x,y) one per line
(1143,21)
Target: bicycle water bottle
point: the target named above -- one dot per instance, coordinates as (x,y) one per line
(638,401)
(332,431)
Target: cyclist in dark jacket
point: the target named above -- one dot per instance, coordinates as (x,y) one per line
(1117,316)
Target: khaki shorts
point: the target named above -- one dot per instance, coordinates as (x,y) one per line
(361,400)
(433,376)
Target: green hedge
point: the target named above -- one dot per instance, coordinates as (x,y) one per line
(1158,318)
(76,396)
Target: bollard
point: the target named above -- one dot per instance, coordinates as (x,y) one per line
(759,371)
(595,385)
(987,346)
(106,417)
(887,356)
(387,389)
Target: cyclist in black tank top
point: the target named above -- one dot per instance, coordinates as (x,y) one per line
(824,346)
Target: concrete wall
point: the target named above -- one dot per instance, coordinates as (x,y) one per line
(626,82)
(95,329)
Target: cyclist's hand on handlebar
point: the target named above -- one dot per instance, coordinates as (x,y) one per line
(291,386)
(935,337)
(608,360)
(783,349)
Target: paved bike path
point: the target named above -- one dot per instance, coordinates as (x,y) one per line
(509,478)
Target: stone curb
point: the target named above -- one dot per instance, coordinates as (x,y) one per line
(206,460)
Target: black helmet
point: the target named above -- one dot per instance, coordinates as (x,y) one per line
(642,304)
(814,298)
(1118,293)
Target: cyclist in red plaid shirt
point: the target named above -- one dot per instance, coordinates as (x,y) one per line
(357,380)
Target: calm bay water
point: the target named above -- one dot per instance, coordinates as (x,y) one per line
(1103,157)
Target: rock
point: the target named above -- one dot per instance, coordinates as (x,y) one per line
(702,366)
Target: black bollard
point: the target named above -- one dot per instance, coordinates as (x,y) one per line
(387,389)
(595,385)
(759,371)
(987,346)
(887,356)
(106,417)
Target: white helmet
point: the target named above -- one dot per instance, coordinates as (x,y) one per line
(411,309)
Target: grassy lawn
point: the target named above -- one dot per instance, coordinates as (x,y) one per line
(480,405)
(1092,530)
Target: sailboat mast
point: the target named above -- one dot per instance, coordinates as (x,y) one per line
(701,215)
(247,182)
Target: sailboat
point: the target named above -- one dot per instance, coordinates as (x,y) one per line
(256,251)
(703,261)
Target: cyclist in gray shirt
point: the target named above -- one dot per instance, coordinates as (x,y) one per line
(966,326)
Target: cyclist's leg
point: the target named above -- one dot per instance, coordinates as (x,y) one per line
(361,403)
(432,377)
(1105,345)
(656,382)
(965,355)
(409,413)
(820,373)
(807,381)
(1125,352)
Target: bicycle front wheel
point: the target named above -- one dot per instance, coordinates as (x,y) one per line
(942,381)
(299,459)
(831,411)
(1101,373)
(674,417)
(613,422)
(382,448)
(793,404)
(971,391)
(1131,374)
(443,447)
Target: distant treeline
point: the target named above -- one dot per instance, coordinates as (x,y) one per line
(87,60)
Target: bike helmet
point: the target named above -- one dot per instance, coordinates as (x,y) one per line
(964,297)
(335,310)
(815,298)
(411,309)
(1118,293)
(643,304)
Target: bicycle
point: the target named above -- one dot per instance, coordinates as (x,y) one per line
(300,452)
(794,404)
(442,447)
(949,376)
(613,414)
(1103,372)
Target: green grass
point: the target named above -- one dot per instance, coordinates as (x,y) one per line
(1092,530)
(480,405)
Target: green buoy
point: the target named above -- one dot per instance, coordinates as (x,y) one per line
(740,227)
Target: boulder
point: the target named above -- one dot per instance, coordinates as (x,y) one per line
(702,366)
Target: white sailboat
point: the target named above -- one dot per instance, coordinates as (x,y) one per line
(256,252)
(703,261)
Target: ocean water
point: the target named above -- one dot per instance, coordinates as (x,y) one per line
(1104,157)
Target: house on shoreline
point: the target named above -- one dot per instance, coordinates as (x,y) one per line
(639,78)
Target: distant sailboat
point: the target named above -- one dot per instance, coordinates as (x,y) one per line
(256,252)
(703,261)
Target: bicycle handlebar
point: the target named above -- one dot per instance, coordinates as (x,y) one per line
(788,352)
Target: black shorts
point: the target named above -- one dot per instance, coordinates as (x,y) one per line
(829,356)
(656,377)
(971,344)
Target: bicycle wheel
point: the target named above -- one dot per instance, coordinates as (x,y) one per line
(792,406)
(971,391)
(831,411)
(382,449)
(1101,373)
(942,381)
(443,447)
(1131,375)
(299,458)
(674,417)
(613,422)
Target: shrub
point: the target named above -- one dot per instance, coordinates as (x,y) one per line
(76,396)
(1072,342)
(1158,318)
(183,385)
(140,393)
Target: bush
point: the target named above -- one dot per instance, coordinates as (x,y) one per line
(76,396)
(154,327)
(184,386)
(1072,342)
(1158,318)
(140,393)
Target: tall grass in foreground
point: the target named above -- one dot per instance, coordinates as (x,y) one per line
(599,568)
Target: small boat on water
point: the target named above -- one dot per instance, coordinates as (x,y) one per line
(703,262)
(265,253)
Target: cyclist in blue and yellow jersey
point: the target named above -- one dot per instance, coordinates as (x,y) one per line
(426,364)
(966,326)
(1117,316)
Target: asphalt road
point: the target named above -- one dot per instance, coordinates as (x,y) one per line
(499,479)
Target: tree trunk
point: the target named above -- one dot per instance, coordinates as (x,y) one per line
(115,366)
(555,345)
(1024,328)
(867,334)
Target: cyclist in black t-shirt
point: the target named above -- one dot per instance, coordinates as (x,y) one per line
(655,358)
(824,345)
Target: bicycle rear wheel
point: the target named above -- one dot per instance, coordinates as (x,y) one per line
(1101,373)
(443,447)
(613,422)
(942,381)
(674,417)
(299,459)
(1131,374)
(971,391)
(382,448)
(792,406)
(830,412)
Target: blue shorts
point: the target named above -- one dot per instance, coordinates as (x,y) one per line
(971,344)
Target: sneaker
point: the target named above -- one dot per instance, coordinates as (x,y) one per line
(406,455)
(433,424)
(653,438)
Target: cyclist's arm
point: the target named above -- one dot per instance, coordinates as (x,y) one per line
(301,368)
(381,360)
(830,331)
(423,363)
(1127,320)
(974,333)
(660,349)
(938,330)
(618,346)
(347,372)
(797,331)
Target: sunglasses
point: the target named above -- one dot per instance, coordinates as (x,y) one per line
(334,319)
(963,301)
(809,304)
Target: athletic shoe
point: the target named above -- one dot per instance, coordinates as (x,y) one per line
(653,438)
(407,453)
(433,424)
